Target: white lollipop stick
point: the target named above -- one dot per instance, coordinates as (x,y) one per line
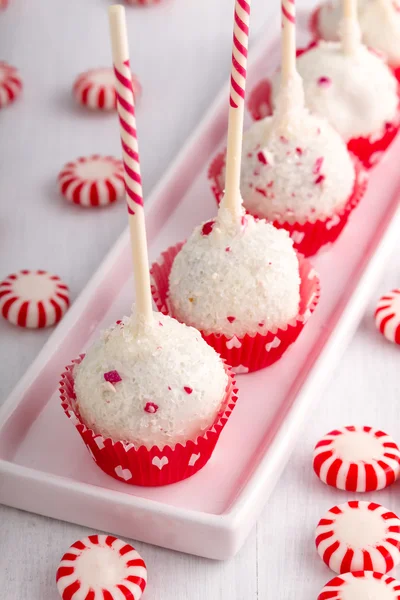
(350,28)
(232,198)
(130,152)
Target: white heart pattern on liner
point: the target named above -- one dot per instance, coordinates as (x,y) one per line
(160,462)
(99,442)
(233,343)
(193,459)
(274,344)
(297,236)
(333,222)
(124,474)
(240,369)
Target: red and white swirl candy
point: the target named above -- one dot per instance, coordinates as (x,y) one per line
(92,181)
(95,89)
(363,585)
(359,536)
(239,53)
(33,299)
(101,567)
(10,84)
(387,316)
(357,459)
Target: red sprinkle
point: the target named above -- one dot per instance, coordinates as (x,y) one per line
(160,324)
(207,228)
(187,389)
(270,184)
(231,319)
(324,81)
(112,376)
(151,407)
(319,179)
(317,165)
(169,387)
(262,158)
(261,191)
(227,249)
(261,324)
(299,151)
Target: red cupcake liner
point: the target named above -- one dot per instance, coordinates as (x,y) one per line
(367,149)
(248,353)
(143,466)
(308,237)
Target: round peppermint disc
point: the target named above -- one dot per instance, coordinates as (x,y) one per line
(363,585)
(95,89)
(33,299)
(359,536)
(357,459)
(92,181)
(387,316)
(10,84)
(101,567)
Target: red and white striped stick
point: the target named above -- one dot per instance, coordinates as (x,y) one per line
(350,28)
(130,153)
(232,199)
(288,40)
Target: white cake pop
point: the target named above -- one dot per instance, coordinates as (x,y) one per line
(158,388)
(235,279)
(379,22)
(356,92)
(303,172)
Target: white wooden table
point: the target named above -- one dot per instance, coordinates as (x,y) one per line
(181,52)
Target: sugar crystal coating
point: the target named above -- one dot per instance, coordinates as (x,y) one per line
(150,405)
(252,288)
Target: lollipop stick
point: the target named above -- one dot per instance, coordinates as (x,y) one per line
(130,152)
(288,41)
(351,33)
(232,199)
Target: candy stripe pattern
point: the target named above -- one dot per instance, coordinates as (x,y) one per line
(95,89)
(130,150)
(357,459)
(10,84)
(92,181)
(101,567)
(359,536)
(360,585)
(387,316)
(288,11)
(239,53)
(33,299)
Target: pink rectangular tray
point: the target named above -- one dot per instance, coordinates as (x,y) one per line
(44,467)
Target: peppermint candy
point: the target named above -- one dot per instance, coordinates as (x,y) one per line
(10,84)
(361,585)
(359,536)
(387,316)
(101,567)
(33,299)
(357,459)
(92,181)
(95,89)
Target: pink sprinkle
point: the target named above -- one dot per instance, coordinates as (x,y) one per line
(160,324)
(256,172)
(299,151)
(187,389)
(151,407)
(231,319)
(270,184)
(207,228)
(227,249)
(319,179)
(324,82)
(169,387)
(249,155)
(262,158)
(261,191)
(112,376)
(283,139)
(243,221)
(288,153)
(319,131)
(317,165)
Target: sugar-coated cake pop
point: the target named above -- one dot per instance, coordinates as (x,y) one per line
(235,280)
(356,92)
(160,388)
(305,173)
(379,22)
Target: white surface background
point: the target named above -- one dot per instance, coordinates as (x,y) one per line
(181,52)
